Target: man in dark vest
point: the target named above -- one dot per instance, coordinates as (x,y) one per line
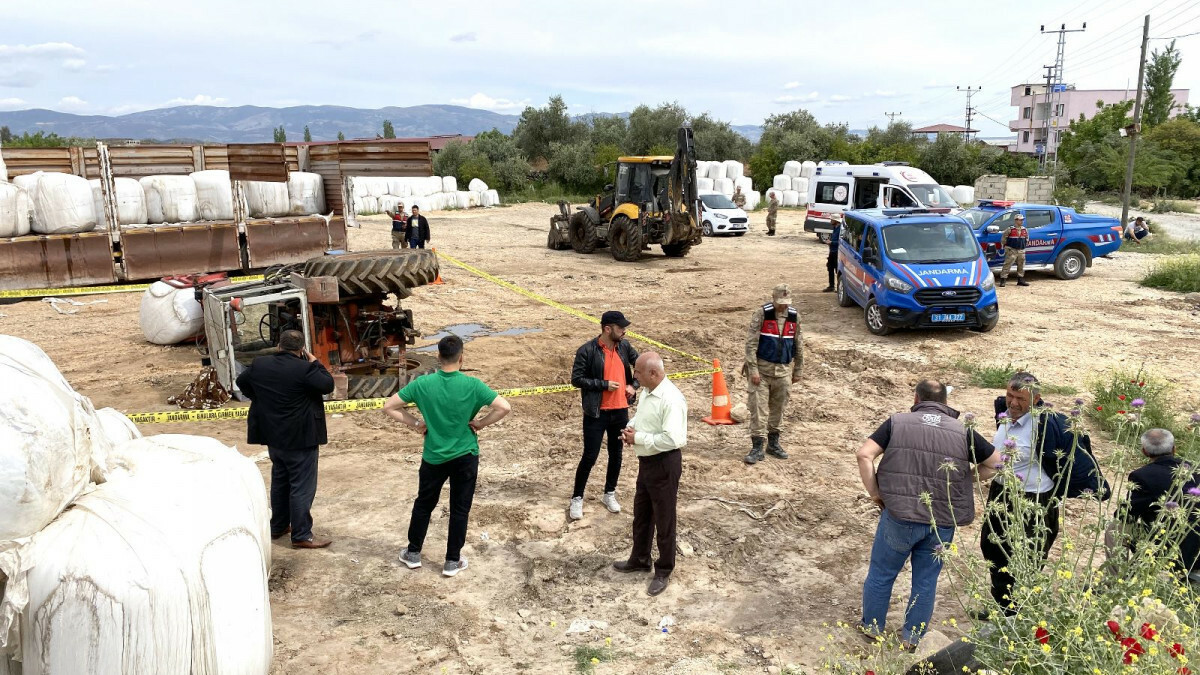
(774,352)
(926,451)
(831,260)
(1012,244)
(288,416)
(418,229)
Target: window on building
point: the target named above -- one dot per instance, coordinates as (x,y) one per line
(1028,91)
(1057,137)
(1060,109)
(1024,136)
(1027,113)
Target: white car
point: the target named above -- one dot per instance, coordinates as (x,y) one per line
(719,215)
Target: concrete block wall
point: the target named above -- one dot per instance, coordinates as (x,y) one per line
(1041,190)
(990,187)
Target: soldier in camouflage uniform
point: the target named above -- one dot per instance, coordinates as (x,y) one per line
(739,199)
(772,209)
(1012,244)
(773,357)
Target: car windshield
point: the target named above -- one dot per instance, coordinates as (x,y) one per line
(933,196)
(717,202)
(977,217)
(926,243)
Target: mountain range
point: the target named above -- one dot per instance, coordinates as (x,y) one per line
(255,124)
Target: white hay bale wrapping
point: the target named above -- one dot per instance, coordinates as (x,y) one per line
(791,198)
(64,205)
(801,198)
(493,197)
(477,185)
(963,194)
(716,170)
(14,211)
(462,199)
(808,168)
(704,183)
(389,203)
(733,169)
(131,202)
(265,199)
(745,183)
(214,194)
(800,184)
(170,199)
(169,315)
(724,186)
(778,195)
(792,168)
(449,184)
(782,182)
(306,193)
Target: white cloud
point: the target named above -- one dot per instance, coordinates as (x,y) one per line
(791,85)
(802,98)
(12,103)
(839,98)
(485,102)
(44,49)
(72,103)
(198,99)
(463,37)
(74,65)
(880,93)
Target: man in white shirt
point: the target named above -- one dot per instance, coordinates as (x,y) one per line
(1039,516)
(657,431)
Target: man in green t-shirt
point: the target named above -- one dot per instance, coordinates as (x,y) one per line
(448,401)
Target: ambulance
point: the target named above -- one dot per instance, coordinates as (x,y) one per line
(838,187)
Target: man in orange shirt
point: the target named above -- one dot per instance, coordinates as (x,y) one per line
(603,372)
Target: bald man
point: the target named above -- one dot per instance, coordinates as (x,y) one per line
(657,431)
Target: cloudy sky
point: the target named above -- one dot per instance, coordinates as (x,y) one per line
(740,61)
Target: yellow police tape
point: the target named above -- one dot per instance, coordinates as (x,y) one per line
(240,412)
(97,290)
(560,306)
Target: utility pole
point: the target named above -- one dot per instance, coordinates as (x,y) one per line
(892,116)
(1045,120)
(1058,87)
(1135,128)
(970,91)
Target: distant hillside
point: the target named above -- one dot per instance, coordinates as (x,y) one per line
(251,124)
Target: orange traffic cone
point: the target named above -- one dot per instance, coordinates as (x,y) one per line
(438,280)
(721,405)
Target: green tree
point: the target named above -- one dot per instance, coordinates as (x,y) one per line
(765,164)
(652,130)
(280,135)
(539,127)
(5,135)
(609,130)
(951,160)
(571,165)
(307,134)
(476,166)
(388,130)
(1160,74)
(716,140)
(1181,136)
(895,143)
(796,135)
(341,136)
(43,140)
(450,158)
(1011,164)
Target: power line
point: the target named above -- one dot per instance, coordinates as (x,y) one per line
(1176,37)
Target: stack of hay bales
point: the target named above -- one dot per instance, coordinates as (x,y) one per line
(373,195)
(725,177)
(791,186)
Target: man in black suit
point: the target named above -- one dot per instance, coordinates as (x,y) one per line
(1166,481)
(418,229)
(288,416)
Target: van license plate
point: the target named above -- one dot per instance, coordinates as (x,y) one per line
(948,318)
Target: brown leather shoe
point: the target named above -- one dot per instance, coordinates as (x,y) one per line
(312,543)
(627,566)
(658,585)
(280,535)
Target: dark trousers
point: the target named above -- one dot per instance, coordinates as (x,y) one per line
(610,422)
(830,267)
(416,243)
(293,487)
(654,510)
(998,553)
(461,472)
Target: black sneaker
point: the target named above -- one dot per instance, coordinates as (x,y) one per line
(1021,281)
(827,289)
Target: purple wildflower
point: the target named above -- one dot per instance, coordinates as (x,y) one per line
(969,417)
(1047,404)
(1171,506)
(1195,418)
(1021,477)
(1079,401)
(1195,492)
(1076,412)
(939,548)
(1004,416)
(1137,403)
(1003,457)
(1010,443)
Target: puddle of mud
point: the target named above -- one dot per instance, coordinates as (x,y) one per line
(470,331)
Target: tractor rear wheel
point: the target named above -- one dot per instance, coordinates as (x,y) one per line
(625,239)
(377,272)
(678,249)
(583,233)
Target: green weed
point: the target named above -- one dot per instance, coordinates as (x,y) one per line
(995,376)
(1180,274)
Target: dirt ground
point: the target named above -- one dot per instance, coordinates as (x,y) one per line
(747,593)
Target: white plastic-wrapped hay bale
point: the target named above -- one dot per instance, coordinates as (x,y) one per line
(398,187)
(476,185)
(370,205)
(791,198)
(374,187)
(963,194)
(733,169)
(169,315)
(808,168)
(432,184)
(306,193)
(182,585)
(800,184)
(753,197)
(449,184)
(777,193)
(948,188)
(266,199)
(117,428)
(724,186)
(782,182)
(704,183)
(131,202)
(214,194)
(716,170)
(493,197)
(792,168)
(701,168)
(64,205)
(170,199)
(389,203)
(462,199)
(745,183)
(51,439)
(14,211)
(801,198)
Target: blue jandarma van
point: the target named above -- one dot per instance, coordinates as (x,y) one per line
(914,268)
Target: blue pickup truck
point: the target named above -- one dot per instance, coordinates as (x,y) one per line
(1059,238)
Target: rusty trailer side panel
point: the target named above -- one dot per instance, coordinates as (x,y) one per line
(164,250)
(283,241)
(56,261)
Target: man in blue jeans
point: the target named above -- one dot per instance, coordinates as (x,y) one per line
(925,451)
